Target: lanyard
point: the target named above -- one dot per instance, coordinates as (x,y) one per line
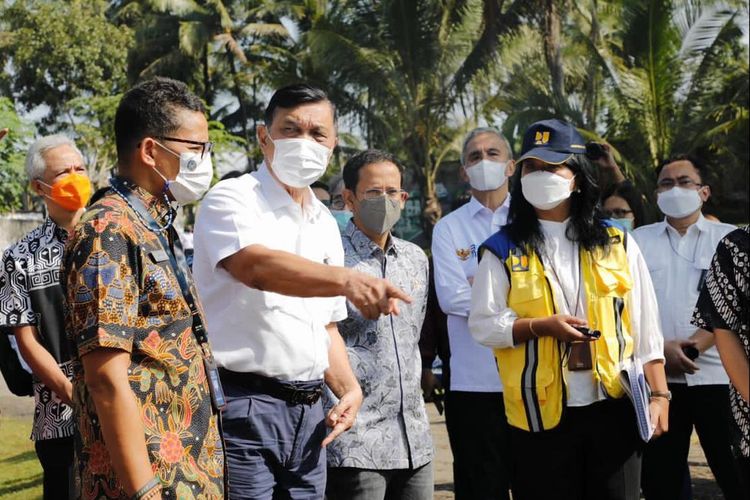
(571,311)
(174,252)
(695,248)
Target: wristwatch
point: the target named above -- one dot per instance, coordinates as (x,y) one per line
(661,394)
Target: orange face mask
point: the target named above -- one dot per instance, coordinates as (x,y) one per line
(72,192)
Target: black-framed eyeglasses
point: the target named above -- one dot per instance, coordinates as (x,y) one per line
(207,147)
(617,213)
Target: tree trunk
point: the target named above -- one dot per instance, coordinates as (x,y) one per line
(242,107)
(591,94)
(553,52)
(206,77)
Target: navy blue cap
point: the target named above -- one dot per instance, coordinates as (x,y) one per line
(552,141)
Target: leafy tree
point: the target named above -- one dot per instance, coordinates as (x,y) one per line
(59,51)
(13,194)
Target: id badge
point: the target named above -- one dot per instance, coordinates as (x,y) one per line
(580,357)
(214,383)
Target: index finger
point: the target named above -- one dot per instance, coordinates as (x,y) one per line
(337,429)
(394,292)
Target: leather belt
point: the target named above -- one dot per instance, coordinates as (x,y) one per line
(280,390)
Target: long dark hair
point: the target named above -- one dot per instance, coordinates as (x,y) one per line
(632,196)
(585,226)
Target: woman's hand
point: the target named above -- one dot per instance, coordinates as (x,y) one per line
(560,326)
(659,411)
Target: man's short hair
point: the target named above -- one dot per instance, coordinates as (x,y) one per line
(35,162)
(697,162)
(148,110)
(362,159)
(320,185)
(484,130)
(295,95)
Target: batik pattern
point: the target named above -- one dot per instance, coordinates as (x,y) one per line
(123,294)
(392,430)
(724,303)
(30,295)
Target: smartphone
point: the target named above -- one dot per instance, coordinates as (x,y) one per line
(594,334)
(691,352)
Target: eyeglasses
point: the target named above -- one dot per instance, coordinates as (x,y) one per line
(684,182)
(617,213)
(207,147)
(337,202)
(394,194)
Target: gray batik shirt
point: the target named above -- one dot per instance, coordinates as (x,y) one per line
(392,430)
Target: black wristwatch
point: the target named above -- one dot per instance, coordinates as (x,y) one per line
(661,394)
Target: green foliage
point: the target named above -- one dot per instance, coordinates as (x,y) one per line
(652,77)
(12,153)
(60,51)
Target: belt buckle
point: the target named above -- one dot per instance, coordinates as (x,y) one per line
(309,398)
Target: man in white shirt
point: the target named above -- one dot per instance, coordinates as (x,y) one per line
(268,266)
(678,252)
(474,410)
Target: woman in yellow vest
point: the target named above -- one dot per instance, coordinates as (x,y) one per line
(564,298)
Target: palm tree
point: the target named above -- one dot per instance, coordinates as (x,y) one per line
(402,68)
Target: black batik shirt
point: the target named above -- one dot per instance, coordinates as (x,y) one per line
(30,294)
(723,303)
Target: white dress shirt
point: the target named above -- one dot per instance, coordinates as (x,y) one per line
(491,320)
(251,330)
(678,265)
(455,241)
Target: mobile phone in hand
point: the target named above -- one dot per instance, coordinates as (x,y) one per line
(594,334)
(691,352)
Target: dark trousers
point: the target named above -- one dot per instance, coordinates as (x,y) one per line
(706,408)
(594,454)
(273,448)
(349,483)
(56,457)
(478,434)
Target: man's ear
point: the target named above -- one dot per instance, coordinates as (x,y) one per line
(36,187)
(706,193)
(510,168)
(349,198)
(261,134)
(462,174)
(147,152)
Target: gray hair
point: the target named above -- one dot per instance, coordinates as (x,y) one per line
(35,163)
(484,130)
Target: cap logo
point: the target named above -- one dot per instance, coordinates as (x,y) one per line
(541,138)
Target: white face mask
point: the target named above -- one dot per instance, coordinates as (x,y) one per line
(545,190)
(193,179)
(487,175)
(679,202)
(299,162)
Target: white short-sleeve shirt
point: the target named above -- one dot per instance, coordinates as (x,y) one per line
(251,330)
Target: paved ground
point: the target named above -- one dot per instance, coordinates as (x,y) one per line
(704,486)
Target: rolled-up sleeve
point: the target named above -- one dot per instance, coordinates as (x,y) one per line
(644,310)
(490,319)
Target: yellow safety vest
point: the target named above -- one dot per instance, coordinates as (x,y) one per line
(535,390)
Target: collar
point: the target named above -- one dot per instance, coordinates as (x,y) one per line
(365,247)
(277,197)
(158,206)
(474,207)
(701,225)
(52,232)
